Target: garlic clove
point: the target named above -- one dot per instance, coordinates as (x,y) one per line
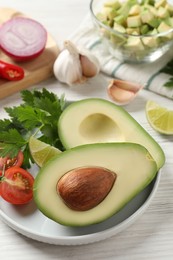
(119,95)
(89,69)
(127,85)
(89,62)
(122,92)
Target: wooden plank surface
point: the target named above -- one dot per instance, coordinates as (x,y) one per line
(37,70)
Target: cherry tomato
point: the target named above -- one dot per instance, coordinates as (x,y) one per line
(17,186)
(7,162)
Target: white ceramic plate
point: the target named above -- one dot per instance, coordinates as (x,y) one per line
(29,221)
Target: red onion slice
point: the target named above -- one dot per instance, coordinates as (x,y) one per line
(22,38)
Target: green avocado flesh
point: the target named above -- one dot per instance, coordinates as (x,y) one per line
(100,121)
(134,168)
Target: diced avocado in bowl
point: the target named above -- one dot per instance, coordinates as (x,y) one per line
(148,24)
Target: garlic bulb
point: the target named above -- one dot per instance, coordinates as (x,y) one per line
(75,65)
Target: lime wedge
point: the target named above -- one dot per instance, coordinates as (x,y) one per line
(160,118)
(41,152)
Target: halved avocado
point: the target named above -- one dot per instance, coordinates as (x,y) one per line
(97,120)
(132,164)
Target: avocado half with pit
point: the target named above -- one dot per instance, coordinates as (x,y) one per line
(97,120)
(89,183)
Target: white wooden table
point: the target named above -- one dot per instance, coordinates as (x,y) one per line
(151,237)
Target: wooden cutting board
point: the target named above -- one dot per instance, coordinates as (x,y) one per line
(37,70)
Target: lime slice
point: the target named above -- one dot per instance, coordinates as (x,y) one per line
(41,152)
(160,118)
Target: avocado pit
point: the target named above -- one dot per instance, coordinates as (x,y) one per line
(84,188)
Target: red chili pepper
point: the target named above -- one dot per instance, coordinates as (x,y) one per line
(10,71)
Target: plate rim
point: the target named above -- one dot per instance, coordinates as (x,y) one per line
(87,238)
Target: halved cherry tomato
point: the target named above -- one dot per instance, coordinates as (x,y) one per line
(17,185)
(7,162)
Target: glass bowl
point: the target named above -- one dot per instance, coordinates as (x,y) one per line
(130,45)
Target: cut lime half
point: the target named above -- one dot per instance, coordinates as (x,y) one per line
(160,118)
(41,152)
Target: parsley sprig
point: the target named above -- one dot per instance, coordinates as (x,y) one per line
(39,112)
(168,69)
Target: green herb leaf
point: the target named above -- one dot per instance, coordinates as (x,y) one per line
(168,69)
(27,157)
(8,149)
(39,112)
(11,142)
(12,136)
(11,111)
(28,97)
(169,83)
(5,124)
(29,117)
